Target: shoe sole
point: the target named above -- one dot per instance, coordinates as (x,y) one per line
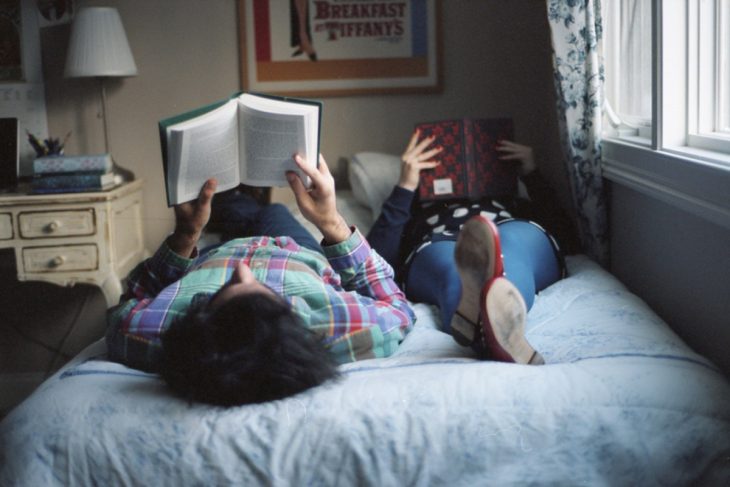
(507,314)
(475,268)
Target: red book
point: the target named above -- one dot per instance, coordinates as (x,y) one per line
(469,167)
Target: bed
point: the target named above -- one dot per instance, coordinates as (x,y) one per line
(621,401)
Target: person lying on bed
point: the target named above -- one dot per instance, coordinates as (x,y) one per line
(263,317)
(482,277)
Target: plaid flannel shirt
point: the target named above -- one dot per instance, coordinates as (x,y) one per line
(348,298)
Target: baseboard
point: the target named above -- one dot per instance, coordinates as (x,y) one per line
(16,387)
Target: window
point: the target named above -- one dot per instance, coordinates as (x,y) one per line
(628,61)
(709,42)
(724,67)
(675,55)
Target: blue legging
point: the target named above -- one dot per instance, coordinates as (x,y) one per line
(531,263)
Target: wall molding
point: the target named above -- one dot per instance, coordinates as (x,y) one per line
(690,184)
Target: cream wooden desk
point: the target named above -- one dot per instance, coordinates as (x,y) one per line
(93,238)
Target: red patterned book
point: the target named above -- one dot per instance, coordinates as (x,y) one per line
(469,167)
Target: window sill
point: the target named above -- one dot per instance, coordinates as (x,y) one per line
(719,159)
(689,178)
(636,140)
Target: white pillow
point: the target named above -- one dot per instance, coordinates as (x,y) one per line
(372,176)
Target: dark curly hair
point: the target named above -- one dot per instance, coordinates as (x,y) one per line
(251,349)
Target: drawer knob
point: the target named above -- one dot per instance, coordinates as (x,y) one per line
(53,226)
(57,261)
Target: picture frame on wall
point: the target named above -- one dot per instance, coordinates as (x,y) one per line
(320,48)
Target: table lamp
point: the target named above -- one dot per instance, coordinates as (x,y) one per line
(98,48)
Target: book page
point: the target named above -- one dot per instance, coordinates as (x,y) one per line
(207,148)
(268,143)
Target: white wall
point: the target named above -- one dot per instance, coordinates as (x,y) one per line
(496,62)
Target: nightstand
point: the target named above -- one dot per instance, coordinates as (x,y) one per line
(70,238)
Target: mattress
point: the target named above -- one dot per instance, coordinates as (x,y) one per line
(621,401)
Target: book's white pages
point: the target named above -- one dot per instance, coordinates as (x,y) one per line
(271,132)
(249,139)
(206,147)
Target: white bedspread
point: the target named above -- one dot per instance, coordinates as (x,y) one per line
(622,402)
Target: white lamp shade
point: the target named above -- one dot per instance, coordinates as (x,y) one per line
(98,45)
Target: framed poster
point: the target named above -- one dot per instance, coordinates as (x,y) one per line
(339,47)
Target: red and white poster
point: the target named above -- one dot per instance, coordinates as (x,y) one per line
(339,47)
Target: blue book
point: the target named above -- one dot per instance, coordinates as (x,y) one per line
(57,183)
(62,164)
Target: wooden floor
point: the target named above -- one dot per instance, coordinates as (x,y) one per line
(41,327)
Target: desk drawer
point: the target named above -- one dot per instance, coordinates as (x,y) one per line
(61,259)
(6,226)
(42,224)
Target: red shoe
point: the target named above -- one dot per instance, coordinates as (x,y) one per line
(491,314)
(503,319)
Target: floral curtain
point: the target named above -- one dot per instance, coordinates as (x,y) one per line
(578,74)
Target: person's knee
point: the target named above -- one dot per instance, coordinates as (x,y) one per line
(275,212)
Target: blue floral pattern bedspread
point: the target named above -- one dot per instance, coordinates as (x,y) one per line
(622,401)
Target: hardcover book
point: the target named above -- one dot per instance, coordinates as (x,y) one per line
(247,139)
(72,183)
(470,166)
(96,163)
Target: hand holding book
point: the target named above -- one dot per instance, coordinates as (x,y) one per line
(418,155)
(318,203)
(512,151)
(191,218)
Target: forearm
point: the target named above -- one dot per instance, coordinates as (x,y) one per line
(144,311)
(387,232)
(538,188)
(362,269)
(153,274)
(545,208)
(335,231)
(183,244)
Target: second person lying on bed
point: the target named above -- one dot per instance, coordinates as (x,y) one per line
(482,277)
(263,317)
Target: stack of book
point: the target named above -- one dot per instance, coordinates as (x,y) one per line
(72,174)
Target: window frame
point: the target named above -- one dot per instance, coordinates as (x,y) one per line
(669,166)
(697,126)
(636,129)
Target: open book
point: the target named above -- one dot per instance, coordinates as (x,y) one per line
(247,138)
(470,165)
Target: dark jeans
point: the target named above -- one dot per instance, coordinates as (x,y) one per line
(236,214)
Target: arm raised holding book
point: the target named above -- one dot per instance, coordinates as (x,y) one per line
(190,220)
(416,158)
(318,203)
